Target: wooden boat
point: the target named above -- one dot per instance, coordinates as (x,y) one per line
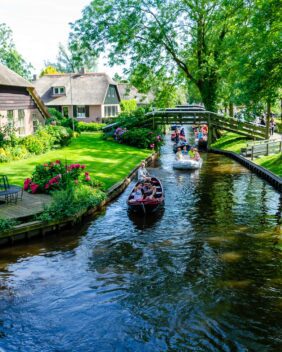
(187,164)
(147,206)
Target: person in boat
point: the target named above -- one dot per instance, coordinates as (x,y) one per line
(149,190)
(182,132)
(177,136)
(143,174)
(197,154)
(138,193)
(179,155)
(194,154)
(185,152)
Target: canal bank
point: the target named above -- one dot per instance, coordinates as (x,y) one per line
(28,230)
(203,275)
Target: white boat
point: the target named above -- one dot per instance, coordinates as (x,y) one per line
(187,164)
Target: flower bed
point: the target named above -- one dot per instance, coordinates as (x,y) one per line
(56,175)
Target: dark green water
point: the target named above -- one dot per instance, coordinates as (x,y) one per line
(203,275)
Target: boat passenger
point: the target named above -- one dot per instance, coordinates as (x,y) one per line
(143,174)
(138,193)
(182,132)
(179,155)
(192,153)
(185,152)
(197,155)
(149,191)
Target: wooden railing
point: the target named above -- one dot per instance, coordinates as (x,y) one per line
(264,147)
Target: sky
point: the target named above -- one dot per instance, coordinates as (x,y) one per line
(40,25)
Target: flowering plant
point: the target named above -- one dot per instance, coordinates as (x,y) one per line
(56,176)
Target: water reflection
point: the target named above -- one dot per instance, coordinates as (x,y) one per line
(203,275)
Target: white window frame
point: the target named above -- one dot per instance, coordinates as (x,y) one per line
(59,91)
(81,115)
(21,122)
(35,122)
(111,110)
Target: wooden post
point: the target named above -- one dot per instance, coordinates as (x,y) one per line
(209,131)
(280,146)
(267,119)
(252,156)
(267,148)
(231,109)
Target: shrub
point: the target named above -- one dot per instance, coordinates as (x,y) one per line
(71,201)
(56,176)
(142,138)
(7,224)
(16,153)
(128,106)
(60,134)
(90,126)
(33,144)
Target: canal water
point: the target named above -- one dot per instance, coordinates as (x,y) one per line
(204,274)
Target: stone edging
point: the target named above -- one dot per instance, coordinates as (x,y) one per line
(270,177)
(37,228)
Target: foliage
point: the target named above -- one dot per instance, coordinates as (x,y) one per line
(142,138)
(128,106)
(90,126)
(58,119)
(7,224)
(109,162)
(132,119)
(9,56)
(71,201)
(73,58)
(49,70)
(56,175)
(230,141)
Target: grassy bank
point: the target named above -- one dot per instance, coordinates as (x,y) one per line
(234,142)
(107,161)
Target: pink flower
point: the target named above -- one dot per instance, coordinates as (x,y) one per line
(46,165)
(27,182)
(86,173)
(76,182)
(87,178)
(152,145)
(34,187)
(47,186)
(82,166)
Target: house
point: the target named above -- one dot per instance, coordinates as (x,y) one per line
(85,96)
(20,105)
(129,92)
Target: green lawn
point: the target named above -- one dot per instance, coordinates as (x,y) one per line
(230,141)
(272,163)
(109,162)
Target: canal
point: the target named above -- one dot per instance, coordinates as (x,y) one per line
(205,274)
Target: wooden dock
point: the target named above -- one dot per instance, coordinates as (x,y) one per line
(30,205)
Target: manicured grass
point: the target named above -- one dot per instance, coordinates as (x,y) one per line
(230,141)
(272,163)
(109,162)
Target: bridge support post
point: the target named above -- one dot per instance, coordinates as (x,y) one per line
(210,131)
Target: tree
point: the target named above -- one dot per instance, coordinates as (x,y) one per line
(49,70)
(73,59)
(9,56)
(186,36)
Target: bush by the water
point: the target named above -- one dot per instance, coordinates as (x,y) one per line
(7,224)
(90,126)
(71,201)
(43,140)
(56,175)
(142,138)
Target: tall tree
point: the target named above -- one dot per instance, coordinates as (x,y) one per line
(186,36)
(9,56)
(74,58)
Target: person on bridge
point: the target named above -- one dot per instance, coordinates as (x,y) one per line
(272,125)
(143,174)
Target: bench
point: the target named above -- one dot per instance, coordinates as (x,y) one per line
(9,192)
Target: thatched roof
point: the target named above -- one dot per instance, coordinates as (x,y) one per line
(80,89)
(128,92)
(11,78)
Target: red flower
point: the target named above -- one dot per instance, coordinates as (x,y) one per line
(82,166)
(47,186)
(58,162)
(34,187)
(27,183)
(86,173)
(87,178)
(46,165)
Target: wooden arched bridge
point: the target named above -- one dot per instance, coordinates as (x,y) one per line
(197,115)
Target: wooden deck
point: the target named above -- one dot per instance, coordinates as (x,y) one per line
(31,204)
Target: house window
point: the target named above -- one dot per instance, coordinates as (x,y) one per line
(110,110)
(35,122)
(58,90)
(65,111)
(21,125)
(10,117)
(81,111)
